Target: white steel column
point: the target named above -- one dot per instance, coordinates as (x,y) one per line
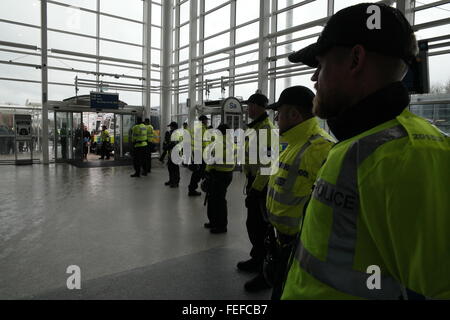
(44,82)
(97,46)
(273,52)
(201,51)
(263,65)
(289,23)
(166,62)
(176,60)
(330,8)
(192,56)
(146,55)
(232,60)
(407,7)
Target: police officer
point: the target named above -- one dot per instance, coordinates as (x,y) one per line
(105,139)
(380,204)
(150,145)
(199,169)
(256,190)
(290,187)
(139,141)
(219,177)
(174,169)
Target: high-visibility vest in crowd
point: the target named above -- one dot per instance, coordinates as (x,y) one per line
(379,209)
(150,133)
(225,166)
(254,170)
(139,137)
(290,188)
(105,136)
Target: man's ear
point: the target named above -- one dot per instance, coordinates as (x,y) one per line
(294,114)
(358,58)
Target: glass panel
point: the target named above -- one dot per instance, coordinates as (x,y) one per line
(88,4)
(29,11)
(62,131)
(6,136)
(210,4)
(70,42)
(132,9)
(20,34)
(184,12)
(156,15)
(128,122)
(341,4)
(246,10)
(77,137)
(121,51)
(117,136)
(71,19)
(217,21)
(112,28)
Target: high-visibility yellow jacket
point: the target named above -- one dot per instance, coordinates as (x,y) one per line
(225,166)
(290,188)
(254,170)
(381,199)
(105,136)
(139,137)
(150,133)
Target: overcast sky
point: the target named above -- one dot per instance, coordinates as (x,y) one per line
(70,19)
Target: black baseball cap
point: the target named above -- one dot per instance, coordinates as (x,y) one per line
(296,96)
(202,117)
(258,99)
(173,124)
(349,27)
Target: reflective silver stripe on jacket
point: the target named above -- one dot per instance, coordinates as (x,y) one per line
(287,197)
(292,222)
(344,199)
(284,166)
(345,279)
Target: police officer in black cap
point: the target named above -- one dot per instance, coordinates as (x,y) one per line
(198,172)
(174,169)
(256,191)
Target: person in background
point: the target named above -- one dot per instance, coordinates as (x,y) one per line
(105,140)
(199,169)
(219,177)
(150,144)
(377,225)
(256,191)
(174,169)
(139,140)
(289,189)
(86,140)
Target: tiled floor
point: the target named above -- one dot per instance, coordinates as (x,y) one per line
(107,223)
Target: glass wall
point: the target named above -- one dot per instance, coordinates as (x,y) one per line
(115,46)
(228,56)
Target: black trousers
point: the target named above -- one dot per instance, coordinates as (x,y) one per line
(217,203)
(139,160)
(281,269)
(196,176)
(257,227)
(174,172)
(104,151)
(148,157)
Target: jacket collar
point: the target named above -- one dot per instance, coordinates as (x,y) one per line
(261,118)
(300,133)
(377,108)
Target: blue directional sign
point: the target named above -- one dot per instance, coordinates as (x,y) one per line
(103,100)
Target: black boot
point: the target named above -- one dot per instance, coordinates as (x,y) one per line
(250,265)
(258,283)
